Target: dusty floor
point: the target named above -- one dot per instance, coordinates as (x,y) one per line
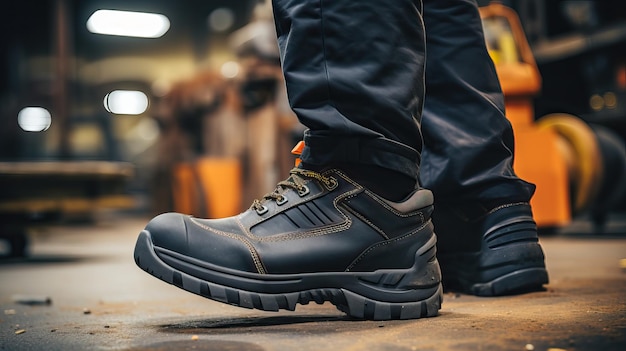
(101,301)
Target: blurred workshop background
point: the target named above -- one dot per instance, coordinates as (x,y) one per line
(146,106)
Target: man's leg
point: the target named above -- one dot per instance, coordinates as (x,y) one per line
(350,225)
(354,72)
(487,238)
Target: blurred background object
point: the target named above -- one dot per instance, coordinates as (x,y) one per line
(148,106)
(559,62)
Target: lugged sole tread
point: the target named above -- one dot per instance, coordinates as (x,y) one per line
(355,305)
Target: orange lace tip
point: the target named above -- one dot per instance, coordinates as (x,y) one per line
(297,150)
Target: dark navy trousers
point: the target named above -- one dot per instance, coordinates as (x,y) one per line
(403,85)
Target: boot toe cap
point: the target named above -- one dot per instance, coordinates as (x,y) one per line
(169,231)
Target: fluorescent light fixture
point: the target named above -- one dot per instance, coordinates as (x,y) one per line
(126,102)
(34,119)
(128,24)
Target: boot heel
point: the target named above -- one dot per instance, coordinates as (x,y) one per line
(398,294)
(360,307)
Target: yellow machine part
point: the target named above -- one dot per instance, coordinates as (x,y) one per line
(586,159)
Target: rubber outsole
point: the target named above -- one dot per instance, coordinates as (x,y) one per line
(381,295)
(511,269)
(519,281)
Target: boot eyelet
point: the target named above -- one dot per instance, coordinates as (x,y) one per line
(281,201)
(303,191)
(262,210)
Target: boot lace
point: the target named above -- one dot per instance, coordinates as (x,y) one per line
(297,181)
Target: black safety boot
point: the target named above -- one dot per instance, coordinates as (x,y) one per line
(492,253)
(318,237)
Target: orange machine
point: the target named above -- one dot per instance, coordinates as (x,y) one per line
(208,187)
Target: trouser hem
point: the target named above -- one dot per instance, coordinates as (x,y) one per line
(336,150)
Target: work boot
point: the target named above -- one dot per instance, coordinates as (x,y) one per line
(492,253)
(318,237)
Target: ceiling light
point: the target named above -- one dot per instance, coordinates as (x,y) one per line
(127,23)
(34,119)
(126,102)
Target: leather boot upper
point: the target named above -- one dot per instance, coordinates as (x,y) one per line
(312,222)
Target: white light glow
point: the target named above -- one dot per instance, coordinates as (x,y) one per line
(126,102)
(148,129)
(34,119)
(221,19)
(161,87)
(129,24)
(230,69)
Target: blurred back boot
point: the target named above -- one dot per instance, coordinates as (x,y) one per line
(318,237)
(492,253)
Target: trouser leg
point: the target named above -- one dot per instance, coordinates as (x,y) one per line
(354,72)
(468,142)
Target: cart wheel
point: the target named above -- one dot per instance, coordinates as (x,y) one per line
(18,242)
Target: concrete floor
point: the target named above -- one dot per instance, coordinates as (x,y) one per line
(101,301)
